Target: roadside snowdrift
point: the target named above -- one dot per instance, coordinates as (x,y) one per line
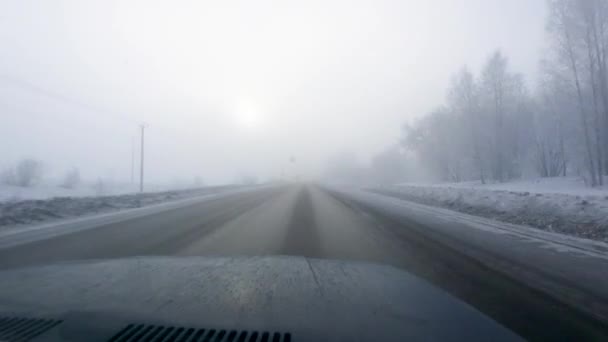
(33,211)
(573,210)
(50,188)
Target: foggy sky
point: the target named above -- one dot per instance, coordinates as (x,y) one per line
(231,87)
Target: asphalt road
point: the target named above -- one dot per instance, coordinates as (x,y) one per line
(306,220)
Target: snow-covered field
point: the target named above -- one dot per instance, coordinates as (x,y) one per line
(21,212)
(50,189)
(555,185)
(562,205)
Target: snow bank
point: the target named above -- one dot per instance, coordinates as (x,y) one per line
(556,205)
(557,185)
(51,189)
(37,210)
(15,193)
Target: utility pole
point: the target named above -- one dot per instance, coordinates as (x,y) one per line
(141,167)
(132,161)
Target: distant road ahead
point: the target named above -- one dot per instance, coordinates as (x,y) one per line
(306,220)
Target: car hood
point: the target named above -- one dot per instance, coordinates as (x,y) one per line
(312,299)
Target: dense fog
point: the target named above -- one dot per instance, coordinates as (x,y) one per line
(351,91)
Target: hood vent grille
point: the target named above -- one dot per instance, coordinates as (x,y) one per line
(24,329)
(154,333)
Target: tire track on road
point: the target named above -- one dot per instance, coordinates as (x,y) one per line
(302,233)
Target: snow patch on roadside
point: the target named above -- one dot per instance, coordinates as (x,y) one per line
(17,213)
(550,185)
(52,188)
(575,210)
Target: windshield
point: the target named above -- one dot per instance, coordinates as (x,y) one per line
(462,142)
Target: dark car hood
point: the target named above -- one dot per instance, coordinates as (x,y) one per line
(310,298)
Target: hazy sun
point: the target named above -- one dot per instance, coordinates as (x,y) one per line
(247,115)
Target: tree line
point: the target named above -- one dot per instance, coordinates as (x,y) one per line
(493,128)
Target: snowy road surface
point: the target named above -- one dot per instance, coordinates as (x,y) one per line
(541,285)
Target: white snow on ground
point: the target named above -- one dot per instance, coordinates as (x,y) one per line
(25,212)
(25,233)
(50,189)
(45,191)
(562,205)
(559,185)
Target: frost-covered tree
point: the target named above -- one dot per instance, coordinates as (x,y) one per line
(99,187)
(463,99)
(484,132)
(579,37)
(555,129)
(437,138)
(505,106)
(492,129)
(71,179)
(8,176)
(28,172)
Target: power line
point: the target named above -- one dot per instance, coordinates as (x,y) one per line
(32,88)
